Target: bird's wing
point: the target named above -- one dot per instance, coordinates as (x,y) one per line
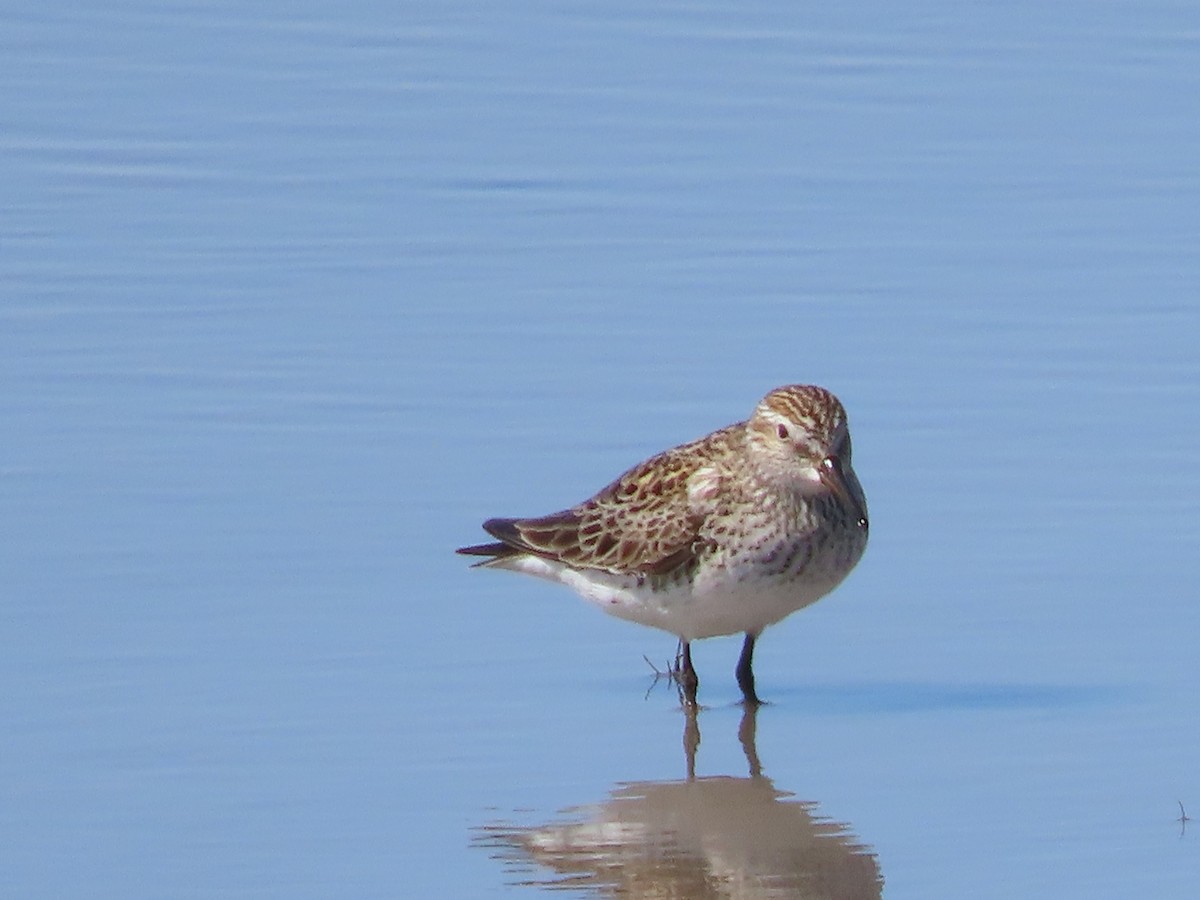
(648,521)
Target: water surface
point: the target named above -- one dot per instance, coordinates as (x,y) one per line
(293,297)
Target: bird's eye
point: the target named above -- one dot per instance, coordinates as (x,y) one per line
(782,431)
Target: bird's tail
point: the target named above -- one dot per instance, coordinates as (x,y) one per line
(492,552)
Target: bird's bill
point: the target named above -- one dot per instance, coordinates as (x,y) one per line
(843,485)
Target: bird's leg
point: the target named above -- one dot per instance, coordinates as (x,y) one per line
(745,672)
(687,677)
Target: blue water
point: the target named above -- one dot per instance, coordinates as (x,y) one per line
(293,296)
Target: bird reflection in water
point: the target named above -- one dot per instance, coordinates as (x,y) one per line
(703,837)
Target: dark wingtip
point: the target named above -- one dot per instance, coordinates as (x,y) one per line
(504,530)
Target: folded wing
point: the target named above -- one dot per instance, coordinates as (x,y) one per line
(648,521)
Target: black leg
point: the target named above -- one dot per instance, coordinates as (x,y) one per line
(745,672)
(688,679)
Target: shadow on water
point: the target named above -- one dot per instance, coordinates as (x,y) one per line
(915,697)
(706,837)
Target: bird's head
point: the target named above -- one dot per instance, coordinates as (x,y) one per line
(799,439)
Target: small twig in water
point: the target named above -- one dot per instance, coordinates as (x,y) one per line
(659,675)
(670,673)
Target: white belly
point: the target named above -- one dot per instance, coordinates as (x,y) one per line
(719,601)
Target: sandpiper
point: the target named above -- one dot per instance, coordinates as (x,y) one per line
(729,533)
